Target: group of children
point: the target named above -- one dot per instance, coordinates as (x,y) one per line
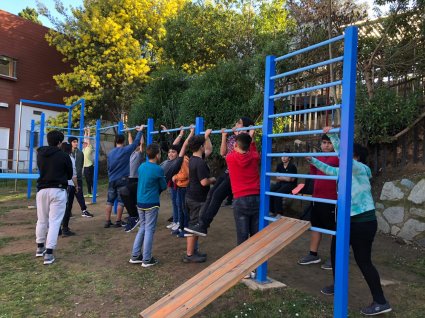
(195,202)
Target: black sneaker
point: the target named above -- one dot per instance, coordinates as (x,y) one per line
(86,214)
(136,259)
(194,259)
(132,223)
(40,251)
(151,262)
(328,290)
(120,224)
(196,229)
(376,309)
(67,232)
(200,254)
(108,224)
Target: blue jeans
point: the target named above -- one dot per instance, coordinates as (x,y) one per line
(144,237)
(173,193)
(181,206)
(246,211)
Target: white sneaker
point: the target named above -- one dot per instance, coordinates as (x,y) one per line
(169,226)
(176,226)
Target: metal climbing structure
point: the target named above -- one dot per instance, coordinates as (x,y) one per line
(346,106)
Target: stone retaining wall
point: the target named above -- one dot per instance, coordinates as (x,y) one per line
(400,210)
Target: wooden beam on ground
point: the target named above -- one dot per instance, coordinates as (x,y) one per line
(199,291)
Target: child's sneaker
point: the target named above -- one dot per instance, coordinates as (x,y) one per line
(376,309)
(194,259)
(171,225)
(136,259)
(86,214)
(108,224)
(119,224)
(327,265)
(328,290)
(309,259)
(40,251)
(151,262)
(132,223)
(175,226)
(48,259)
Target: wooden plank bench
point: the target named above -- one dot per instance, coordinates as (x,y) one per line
(209,284)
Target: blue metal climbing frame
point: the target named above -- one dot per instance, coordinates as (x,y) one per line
(346,131)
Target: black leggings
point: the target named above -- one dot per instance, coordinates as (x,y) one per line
(129,197)
(276,202)
(67,215)
(88,174)
(215,197)
(361,239)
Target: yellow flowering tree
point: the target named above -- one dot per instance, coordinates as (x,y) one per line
(111,46)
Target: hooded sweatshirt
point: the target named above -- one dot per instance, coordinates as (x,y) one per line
(244,172)
(55,168)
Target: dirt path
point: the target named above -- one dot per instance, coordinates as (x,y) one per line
(111,247)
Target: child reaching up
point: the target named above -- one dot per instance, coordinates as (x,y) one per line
(363,225)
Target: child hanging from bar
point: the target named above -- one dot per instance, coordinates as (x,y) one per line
(243,165)
(197,191)
(363,225)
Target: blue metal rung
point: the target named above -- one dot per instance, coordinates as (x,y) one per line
(309,67)
(307,49)
(305,176)
(305,111)
(172,130)
(300,197)
(27,101)
(302,154)
(237,129)
(303,133)
(108,127)
(130,128)
(65,128)
(19,176)
(307,89)
(80,136)
(324,231)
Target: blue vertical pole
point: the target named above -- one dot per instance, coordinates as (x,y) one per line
(69,121)
(96,161)
(120,127)
(29,182)
(199,122)
(149,137)
(82,110)
(266,161)
(42,123)
(345,172)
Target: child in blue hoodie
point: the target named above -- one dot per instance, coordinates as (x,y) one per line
(363,225)
(150,185)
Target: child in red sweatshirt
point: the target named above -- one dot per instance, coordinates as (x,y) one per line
(245,180)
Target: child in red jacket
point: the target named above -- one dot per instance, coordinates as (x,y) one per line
(245,180)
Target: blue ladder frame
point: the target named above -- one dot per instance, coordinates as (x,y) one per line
(348,82)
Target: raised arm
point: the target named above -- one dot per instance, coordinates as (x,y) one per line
(223,145)
(186,142)
(179,136)
(333,137)
(208,144)
(87,136)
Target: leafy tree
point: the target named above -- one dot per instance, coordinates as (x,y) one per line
(110,46)
(381,116)
(161,98)
(30,14)
(204,33)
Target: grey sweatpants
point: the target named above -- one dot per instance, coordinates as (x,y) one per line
(51,205)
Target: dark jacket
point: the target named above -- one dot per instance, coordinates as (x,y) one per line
(55,168)
(79,162)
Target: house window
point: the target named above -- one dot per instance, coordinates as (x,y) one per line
(27,144)
(7,66)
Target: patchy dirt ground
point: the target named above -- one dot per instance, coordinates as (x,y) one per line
(110,248)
